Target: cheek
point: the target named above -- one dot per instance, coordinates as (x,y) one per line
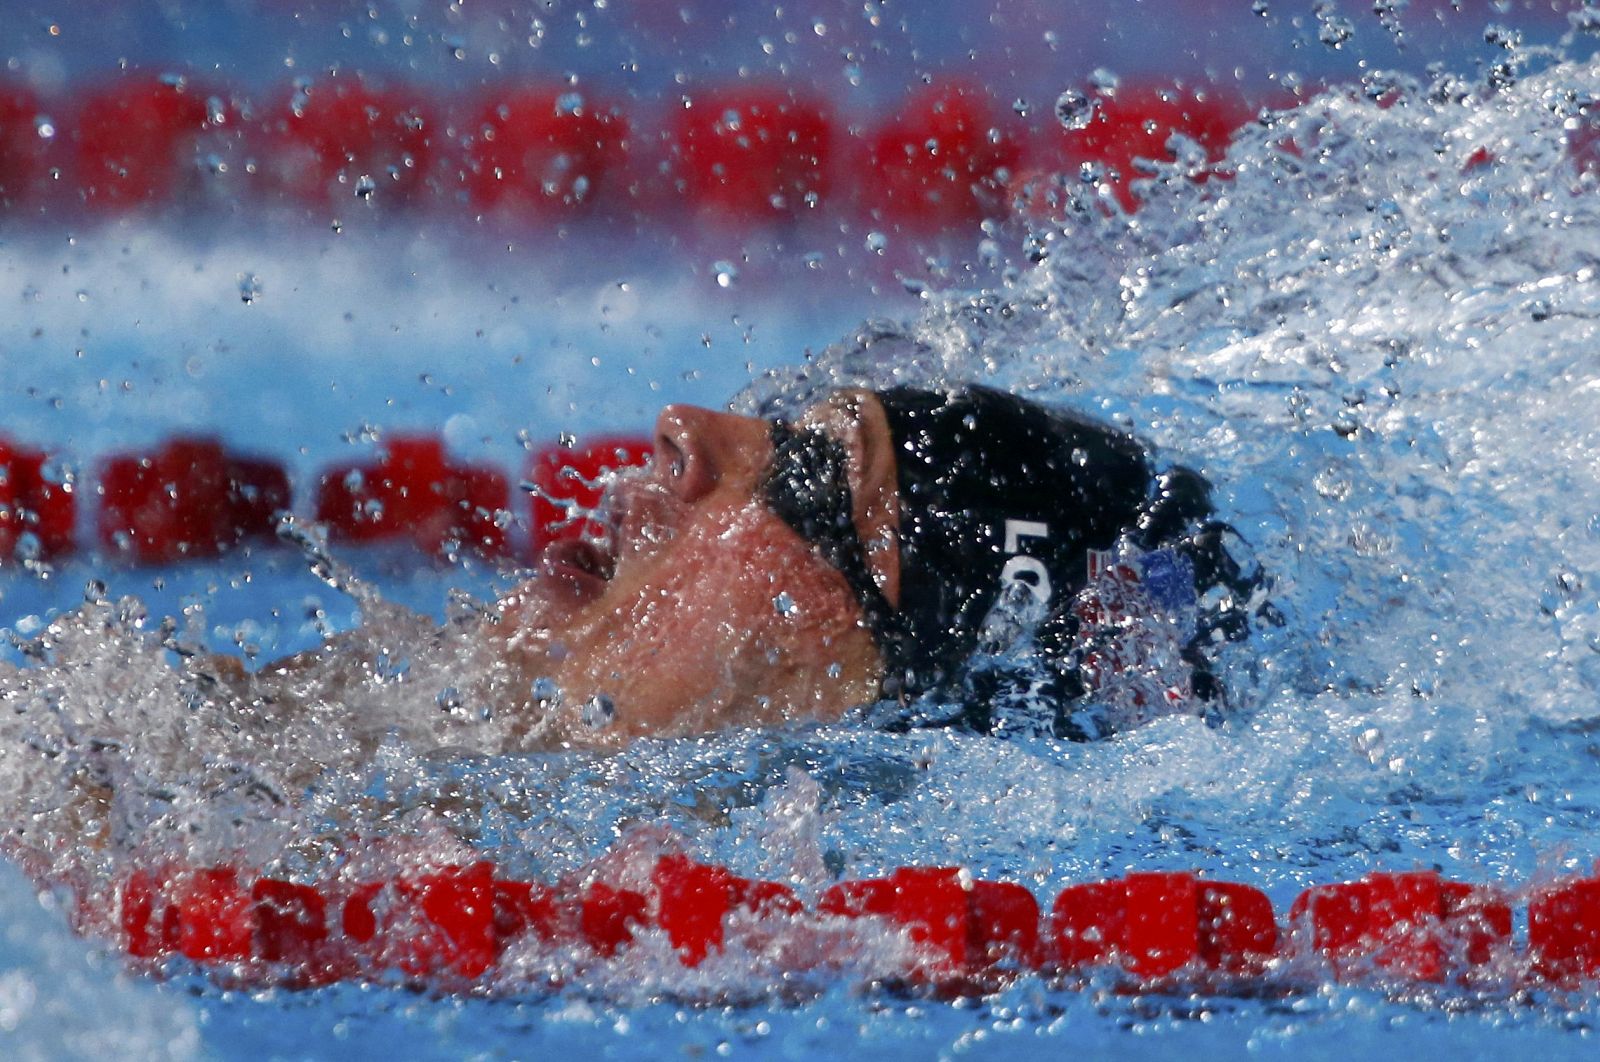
(756,577)
(741,594)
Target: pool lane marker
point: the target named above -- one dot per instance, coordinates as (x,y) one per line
(192,498)
(450,926)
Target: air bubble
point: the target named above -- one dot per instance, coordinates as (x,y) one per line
(1075,110)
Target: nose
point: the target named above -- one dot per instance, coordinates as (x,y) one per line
(697,449)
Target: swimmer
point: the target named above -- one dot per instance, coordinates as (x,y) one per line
(900,557)
(871,551)
(961,557)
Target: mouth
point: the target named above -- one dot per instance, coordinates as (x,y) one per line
(581,566)
(635,518)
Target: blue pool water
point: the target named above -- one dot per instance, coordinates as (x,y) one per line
(1382,355)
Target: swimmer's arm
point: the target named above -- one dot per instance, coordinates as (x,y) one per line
(285,683)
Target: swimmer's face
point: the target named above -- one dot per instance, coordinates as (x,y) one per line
(702,608)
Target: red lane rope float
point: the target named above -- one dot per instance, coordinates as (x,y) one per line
(193,499)
(1138,123)
(32,505)
(339,138)
(1157,924)
(134,141)
(754,154)
(25,134)
(415,492)
(943,161)
(1413,925)
(452,925)
(544,152)
(566,485)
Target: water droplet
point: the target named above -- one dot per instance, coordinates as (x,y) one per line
(1105,81)
(1021,107)
(784,604)
(598,712)
(1075,110)
(249,288)
(546,694)
(877,242)
(44,126)
(365,186)
(1259,7)
(725,272)
(1333,29)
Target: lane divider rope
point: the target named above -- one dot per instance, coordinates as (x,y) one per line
(193,499)
(451,926)
(738,154)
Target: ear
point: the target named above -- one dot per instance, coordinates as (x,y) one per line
(878,507)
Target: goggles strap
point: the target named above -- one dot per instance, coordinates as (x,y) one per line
(808,488)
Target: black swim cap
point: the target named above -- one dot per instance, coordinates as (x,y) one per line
(997,491)
(1056,516)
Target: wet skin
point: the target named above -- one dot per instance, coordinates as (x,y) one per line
(703,609)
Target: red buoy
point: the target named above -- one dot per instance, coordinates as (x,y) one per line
(1564,931)
(415,492)
(27,146)
(754,154)
(1139,122)
(967,928)
(1413,925)
(694,901)
(567,483)
(943,161)
(544,152)
(189,499)
(337,140)
(137,141)
(33,505)
(1157,924)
